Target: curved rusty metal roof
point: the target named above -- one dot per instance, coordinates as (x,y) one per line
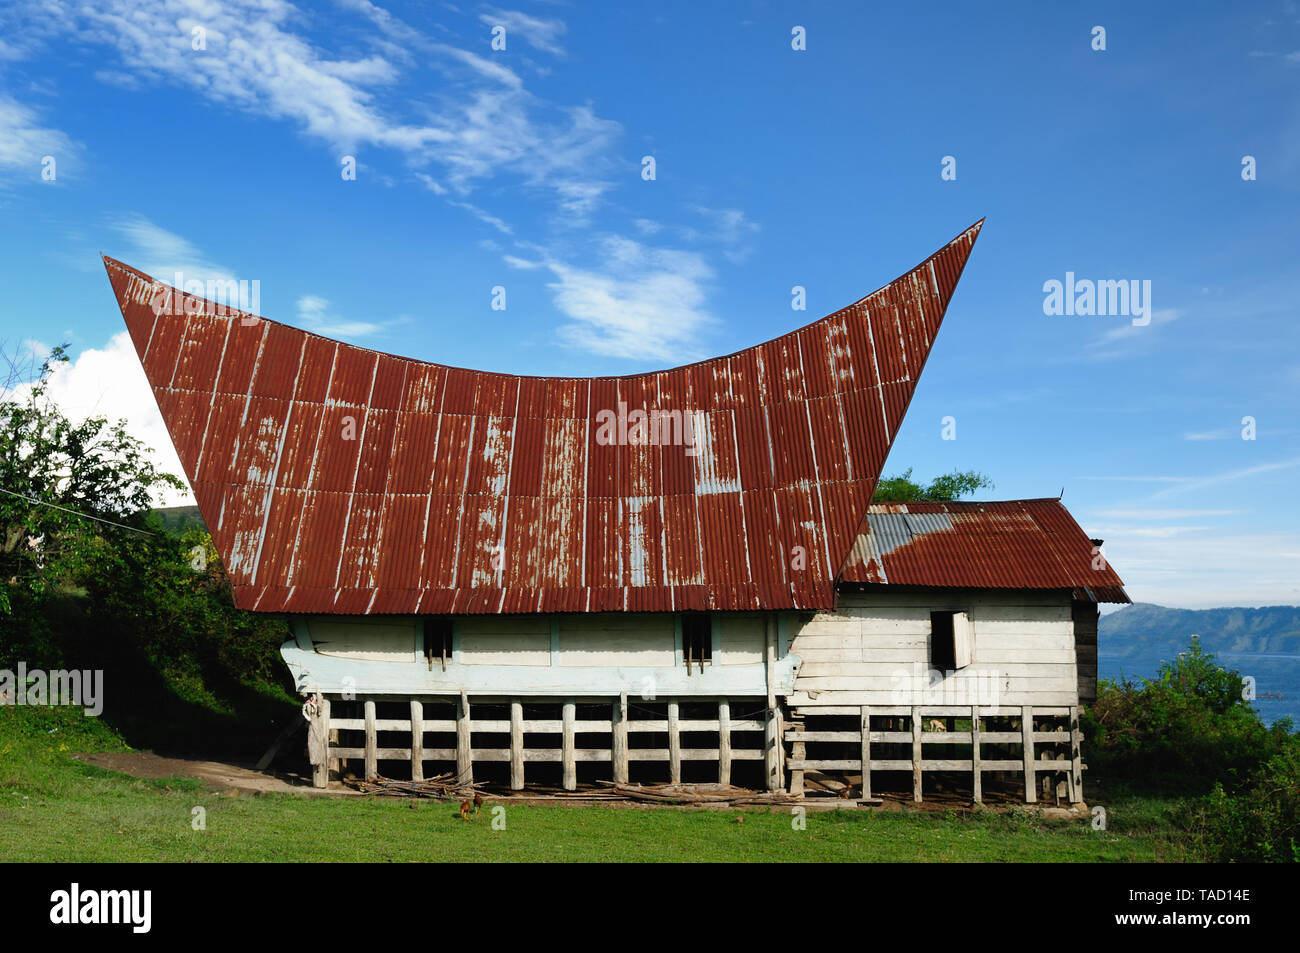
(337,479)
(1016,544)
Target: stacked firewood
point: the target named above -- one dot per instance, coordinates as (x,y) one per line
(445,787)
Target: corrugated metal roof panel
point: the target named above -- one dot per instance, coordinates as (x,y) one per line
(338,479)
(1016,544)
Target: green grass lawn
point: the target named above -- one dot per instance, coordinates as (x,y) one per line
(54,808)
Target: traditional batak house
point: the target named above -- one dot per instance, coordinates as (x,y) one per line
(676,575)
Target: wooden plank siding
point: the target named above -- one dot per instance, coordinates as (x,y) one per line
(1085,649)
(877,645)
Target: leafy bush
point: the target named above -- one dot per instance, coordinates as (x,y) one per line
(1262,824)
(1186,730)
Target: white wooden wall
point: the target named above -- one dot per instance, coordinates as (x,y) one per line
(1023,639)
(602,640)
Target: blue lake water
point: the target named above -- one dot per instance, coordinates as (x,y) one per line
(1273,674)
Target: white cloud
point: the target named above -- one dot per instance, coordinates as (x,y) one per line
(732,229)
(483,216)
(643,303)
(1199,483)
(314,315)
(110,382)
(161,254)
(25,141)
(258,60)
(253,61)
(523,264)
(1212,569)
(1146,513)
(1124,339)
(540,33)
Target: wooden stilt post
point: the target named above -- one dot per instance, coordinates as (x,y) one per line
(335,764)
(674,745)
(516,745)
(724,741)
(866,755)
(1027,740)
(916,753)
(798,752)
(464,753)
(975,754)
(318,744)
(372,744)
(570,765)
(620,740)
(1076,757)
(772,761)
(417,740)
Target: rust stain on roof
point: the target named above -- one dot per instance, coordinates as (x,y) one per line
(1016,544)
(337,479)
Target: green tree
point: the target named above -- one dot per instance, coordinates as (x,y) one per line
(63,484)
(950,486)
(91,578)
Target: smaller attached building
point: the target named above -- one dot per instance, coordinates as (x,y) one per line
(978,615)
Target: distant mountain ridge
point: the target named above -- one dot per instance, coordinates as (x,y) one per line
(1144,631)
(1263,643)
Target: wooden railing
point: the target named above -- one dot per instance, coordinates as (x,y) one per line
(622,722)
(1063,738)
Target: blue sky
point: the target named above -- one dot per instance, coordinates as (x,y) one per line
(775,167)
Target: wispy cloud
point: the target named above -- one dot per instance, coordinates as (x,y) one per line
(733,229)
(641,303)
(1128,338)
(257,59)
(482,216)
(315,315)
(161,253)
(538,32)
(1146,513)
(1141,479)
(1230,476)
(25,140)
(1212,569)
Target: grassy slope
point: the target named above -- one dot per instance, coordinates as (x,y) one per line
(55,808)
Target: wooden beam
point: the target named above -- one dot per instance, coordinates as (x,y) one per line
(417,740)
(916,753)
(866,754)
(978,775)
(372,742)
(798,752)
(773,740)
(724,741)
(569,761)
(1027,739)
(516,745)
(620,740)
(464,754)
(1076,758)
(295,725)
(674,745)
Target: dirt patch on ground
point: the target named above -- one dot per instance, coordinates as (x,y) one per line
(214,774)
